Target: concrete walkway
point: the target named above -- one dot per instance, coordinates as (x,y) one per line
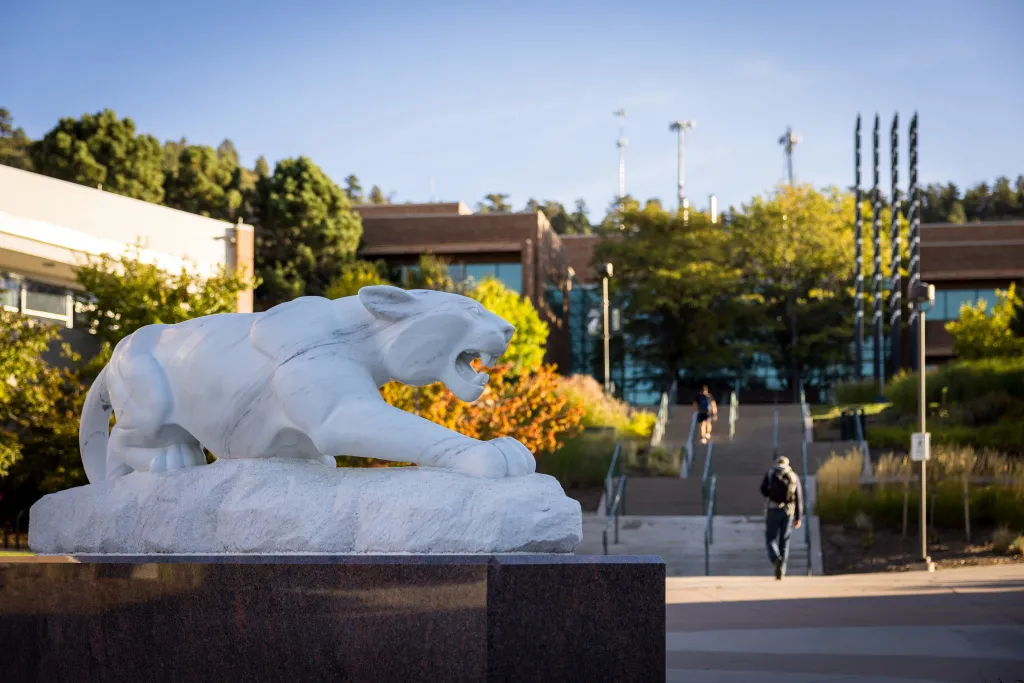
(738,550)
(953,625)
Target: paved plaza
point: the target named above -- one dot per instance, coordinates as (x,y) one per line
(953,625)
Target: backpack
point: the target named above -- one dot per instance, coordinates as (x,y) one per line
(703,403)
(782,485)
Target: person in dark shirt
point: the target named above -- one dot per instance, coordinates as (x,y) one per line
(707,410)
(785,502)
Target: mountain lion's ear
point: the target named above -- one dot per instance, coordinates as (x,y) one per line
(387,302)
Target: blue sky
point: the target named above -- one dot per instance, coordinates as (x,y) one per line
(478,97)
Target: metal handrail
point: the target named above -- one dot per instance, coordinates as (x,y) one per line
(614,515)
(687,454)
(707,476)
(775,433)
(668,398)
(734,408)
(614,470)
(862,442)
(709,527)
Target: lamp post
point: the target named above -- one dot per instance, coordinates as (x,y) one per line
(681,127)
(607,336)
(922,298)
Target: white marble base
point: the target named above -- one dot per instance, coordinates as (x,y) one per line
(292,506)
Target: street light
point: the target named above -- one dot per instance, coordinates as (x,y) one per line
(608,270)
(922,296)
(681,127)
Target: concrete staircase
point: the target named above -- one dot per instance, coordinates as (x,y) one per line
(665,516)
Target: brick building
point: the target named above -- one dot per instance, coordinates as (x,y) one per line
(520,249)
(966,263)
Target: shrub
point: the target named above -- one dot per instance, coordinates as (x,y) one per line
(964,382)
(654,462)
(1002,539)
(1017,546)
(841,499)
(857,392)
(581,463)
(602,410)
(1006,436)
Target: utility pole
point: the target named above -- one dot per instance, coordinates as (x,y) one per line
(788,142)
(621,144)
(607,331)
(681,127)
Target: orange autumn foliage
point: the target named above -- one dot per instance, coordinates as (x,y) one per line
(523,405)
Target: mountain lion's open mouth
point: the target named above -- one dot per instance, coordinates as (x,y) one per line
(464,366)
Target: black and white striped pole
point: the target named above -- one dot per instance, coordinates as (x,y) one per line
(876,290)
(858,240)
(896,300)
(914,267)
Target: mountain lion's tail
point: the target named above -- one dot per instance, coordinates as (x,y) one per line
(95,428)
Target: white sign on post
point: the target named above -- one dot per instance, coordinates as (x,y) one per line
(920,446)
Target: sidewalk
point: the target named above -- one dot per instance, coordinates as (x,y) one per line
(953,625)
(738,550)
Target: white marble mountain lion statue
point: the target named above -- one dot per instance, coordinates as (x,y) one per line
(300,380)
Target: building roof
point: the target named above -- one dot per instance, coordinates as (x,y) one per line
(412,210)
(56,221)
(972,251)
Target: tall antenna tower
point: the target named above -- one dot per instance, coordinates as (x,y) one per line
(681,127)
(788,141)
(621,144)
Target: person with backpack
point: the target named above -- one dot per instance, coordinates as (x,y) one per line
(707,410)
(781,486)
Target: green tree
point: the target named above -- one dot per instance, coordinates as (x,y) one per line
(795,248)
(204,183)
(354,276)
(678,290)
(261,169)
(226,152)
(34,393)
(578,223)
(101,149)
(307,232)
(40,401)
(957,214)
(980,333)
(494,203)
(526,350)
(376,196)
(127,293)
(977,202)
(14,144)
(353,190)
(171,155)
(1005,205)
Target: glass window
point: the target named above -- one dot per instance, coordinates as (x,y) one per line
(990,299)
(10,292)
(511,274)
(457,272)
(46,299)
(480,271)
(938,311)
(958,298)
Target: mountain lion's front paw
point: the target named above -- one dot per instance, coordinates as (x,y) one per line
(504,457)
(519,459)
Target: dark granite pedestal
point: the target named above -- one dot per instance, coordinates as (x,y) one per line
(333,618)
